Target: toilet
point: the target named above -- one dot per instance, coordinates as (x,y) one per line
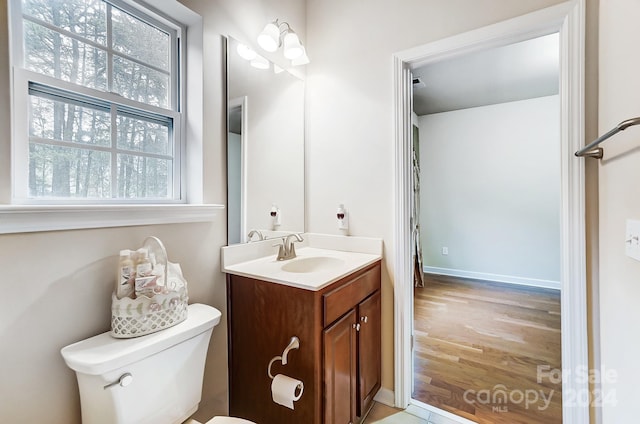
(155,378)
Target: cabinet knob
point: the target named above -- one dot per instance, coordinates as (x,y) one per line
(357,326)
(364,319)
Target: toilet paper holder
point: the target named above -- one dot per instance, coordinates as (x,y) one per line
(294,343)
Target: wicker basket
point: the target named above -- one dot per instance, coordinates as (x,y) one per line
(145,315)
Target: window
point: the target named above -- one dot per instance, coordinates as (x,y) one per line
(97,108)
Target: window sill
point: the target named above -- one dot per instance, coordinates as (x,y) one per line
(29,218)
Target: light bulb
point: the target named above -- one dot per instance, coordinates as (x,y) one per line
(292,47)
(302,60)
(246,52)
(260,62)
(269,38)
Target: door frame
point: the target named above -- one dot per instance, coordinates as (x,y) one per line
(568,20)
(242,103)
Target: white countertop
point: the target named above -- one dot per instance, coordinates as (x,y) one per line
(342,254)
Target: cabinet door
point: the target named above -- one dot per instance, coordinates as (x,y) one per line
(369,347)
(340,371)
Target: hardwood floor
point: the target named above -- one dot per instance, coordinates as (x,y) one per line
(478,346)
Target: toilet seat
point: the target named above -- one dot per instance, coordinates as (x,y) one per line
(228,420)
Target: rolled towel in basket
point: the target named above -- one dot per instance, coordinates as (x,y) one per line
(175,279)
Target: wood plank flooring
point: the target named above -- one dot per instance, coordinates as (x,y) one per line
(478,346)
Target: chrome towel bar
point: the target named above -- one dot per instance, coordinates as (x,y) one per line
(591,151)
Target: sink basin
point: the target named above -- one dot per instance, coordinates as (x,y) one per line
(312,264)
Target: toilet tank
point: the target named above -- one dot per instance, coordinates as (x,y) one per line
(150,379)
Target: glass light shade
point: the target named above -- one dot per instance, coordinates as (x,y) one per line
(246,52)
(292,47)
(302,60)
(269,38)
(260,62)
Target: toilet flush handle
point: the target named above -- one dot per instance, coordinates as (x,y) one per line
(124,380)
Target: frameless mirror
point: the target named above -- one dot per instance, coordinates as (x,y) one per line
(265,147)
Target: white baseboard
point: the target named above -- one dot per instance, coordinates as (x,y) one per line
(509,279)
(386,397)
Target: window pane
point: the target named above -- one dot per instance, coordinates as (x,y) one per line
(140,40)
(143,136)
(57,171)
(143,177)
(56,120)
(87,18)
(81,143)
(140,83)
(51,53)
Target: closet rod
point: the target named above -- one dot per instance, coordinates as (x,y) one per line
(591,151)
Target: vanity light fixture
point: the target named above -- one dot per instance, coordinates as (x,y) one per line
(276,34)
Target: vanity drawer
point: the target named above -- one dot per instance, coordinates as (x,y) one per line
(355,289)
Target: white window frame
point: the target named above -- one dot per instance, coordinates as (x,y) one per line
(20,146)
(18,216)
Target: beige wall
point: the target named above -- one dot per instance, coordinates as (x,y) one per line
(619,201)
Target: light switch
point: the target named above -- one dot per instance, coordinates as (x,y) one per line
(632,239)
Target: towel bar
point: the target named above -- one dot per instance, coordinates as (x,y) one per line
(591,151)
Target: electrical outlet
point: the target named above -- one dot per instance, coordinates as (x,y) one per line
(445,250)
(632,239)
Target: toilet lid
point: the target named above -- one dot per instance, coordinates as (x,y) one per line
(228,420)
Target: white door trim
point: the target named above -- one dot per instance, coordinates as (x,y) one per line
(243,104)
(567,19)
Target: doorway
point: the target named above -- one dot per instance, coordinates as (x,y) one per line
(566,19)
(237,170)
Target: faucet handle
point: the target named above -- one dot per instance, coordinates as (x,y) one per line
(255,232)
(281,250)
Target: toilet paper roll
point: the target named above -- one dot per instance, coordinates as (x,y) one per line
(284,388)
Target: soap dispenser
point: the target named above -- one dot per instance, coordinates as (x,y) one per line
(343,218)
(276,216)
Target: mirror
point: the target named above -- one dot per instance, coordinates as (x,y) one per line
(265,148)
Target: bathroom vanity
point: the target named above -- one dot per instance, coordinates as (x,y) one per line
(331,301)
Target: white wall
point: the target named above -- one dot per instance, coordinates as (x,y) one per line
(350,109)
(490,191)
(619,201)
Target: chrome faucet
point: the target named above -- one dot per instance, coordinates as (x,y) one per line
(255,232)
(287,249)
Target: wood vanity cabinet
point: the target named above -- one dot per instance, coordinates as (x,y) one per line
(339,355)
